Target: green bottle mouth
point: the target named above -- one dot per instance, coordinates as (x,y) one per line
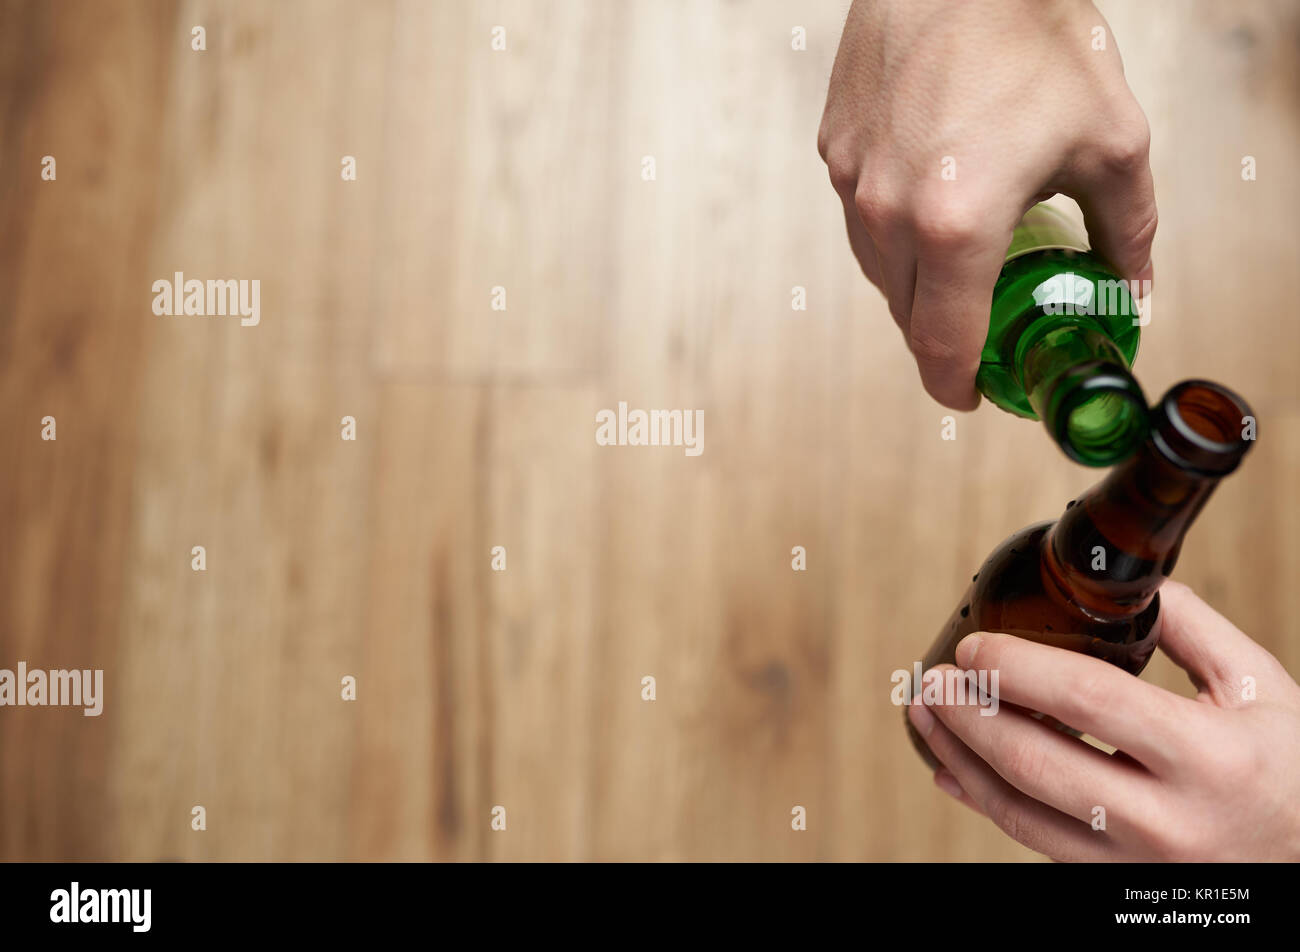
(1098,413)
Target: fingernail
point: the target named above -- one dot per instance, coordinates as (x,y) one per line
(948,783)
(920,717)
(966,651)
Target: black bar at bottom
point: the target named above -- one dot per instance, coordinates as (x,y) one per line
(659,903)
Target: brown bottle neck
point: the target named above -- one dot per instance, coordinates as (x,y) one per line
(1114,546)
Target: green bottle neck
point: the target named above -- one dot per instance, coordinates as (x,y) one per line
(1078,383)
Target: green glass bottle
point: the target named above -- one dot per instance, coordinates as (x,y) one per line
(1063,333)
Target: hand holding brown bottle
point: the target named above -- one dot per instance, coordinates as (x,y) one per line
(1216,778)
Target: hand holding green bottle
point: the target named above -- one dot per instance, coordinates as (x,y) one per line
(938,144)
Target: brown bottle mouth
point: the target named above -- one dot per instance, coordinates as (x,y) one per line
(1203,427)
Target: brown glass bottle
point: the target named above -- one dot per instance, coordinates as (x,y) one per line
(1041,583)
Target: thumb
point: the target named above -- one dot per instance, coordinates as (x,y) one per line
(1214,652)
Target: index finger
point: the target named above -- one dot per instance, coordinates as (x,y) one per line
(958,261)
(1151,725)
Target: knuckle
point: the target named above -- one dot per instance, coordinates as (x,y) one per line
(1128,146)
(1023,762)
(1003,811)
(1145,231)
(949,225)
(1082,699)
(878,209)
(932,350)
(1011,818)
(842,165)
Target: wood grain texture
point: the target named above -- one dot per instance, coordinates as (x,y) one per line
(370,558)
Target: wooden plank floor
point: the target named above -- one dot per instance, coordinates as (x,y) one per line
(326,558)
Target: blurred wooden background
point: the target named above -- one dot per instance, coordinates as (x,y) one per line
(476,427)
